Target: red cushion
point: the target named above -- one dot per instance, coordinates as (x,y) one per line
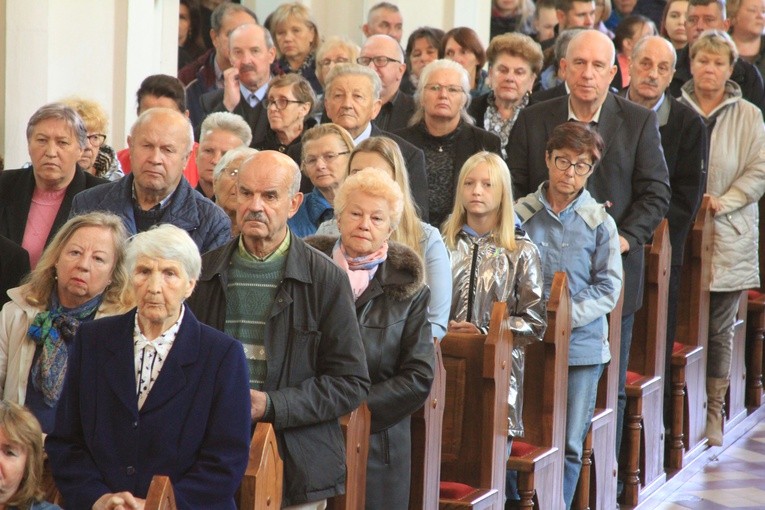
(454,490)
(633,377)
(755,294)
(519,449)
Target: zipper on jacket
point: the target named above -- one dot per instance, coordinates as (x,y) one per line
(471,285)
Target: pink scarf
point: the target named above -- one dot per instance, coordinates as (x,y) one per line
(360,270)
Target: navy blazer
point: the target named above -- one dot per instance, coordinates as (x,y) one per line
(631,174)
(194,426)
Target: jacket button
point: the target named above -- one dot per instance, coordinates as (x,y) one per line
(130,471)
(135,424)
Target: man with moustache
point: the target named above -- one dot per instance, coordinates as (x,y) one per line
(684,140)
(293,310)
(246,81)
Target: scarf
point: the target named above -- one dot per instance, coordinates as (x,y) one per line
(360,270)
(51,331)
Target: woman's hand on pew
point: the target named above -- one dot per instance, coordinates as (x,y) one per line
(463,327)
(119,501)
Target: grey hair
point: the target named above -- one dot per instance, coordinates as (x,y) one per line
(63,112)
(167,242)
(337,41)
(439,65)
(216,18)
(266,34)
(148,115)
(644,40)
(226,121)
(397,45)
(353,70)
(387,6)
(229,157)
(561,44)
(288,163)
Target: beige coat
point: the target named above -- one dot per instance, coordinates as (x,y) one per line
(17,350)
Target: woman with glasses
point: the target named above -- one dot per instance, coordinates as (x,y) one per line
(224,182)
(324,160)
(334,50)
(288,104)
(442,128)
(97,158)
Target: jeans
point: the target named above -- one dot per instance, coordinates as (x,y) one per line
(580,406)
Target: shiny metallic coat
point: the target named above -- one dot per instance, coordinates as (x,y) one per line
(483,273)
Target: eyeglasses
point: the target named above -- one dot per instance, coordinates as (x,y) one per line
(97,139)
(379,61)
(452,90)
(580,167)
(328,61)
(328,158)
(280,102)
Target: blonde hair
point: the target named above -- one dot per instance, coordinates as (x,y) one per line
(92,114)
(22,428)
(42,280)
(409,231)
(320,131)
(716,42)
(375,183)
(499,176)
(300,13)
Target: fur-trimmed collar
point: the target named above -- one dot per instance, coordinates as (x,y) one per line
(401,275)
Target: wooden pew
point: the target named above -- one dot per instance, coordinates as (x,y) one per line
(597,479)
(755,327)
(426,426)
(689,394)
(161,495)
(735,407)
(642,462)
(474,442)
(261,487)
(538,457)
(355,427)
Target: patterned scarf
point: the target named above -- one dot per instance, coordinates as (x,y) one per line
(51,331)
(360,270)
(494,123)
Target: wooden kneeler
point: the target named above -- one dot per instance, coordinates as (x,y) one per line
(261,487)
(474,441)
(356,426)
(538,456)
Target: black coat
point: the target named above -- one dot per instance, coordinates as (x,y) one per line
(16,189)
(14,264)
(255,117)
(392,315)
(395,115)
(543,95)
(631,175)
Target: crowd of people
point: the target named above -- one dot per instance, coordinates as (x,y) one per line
(296,219)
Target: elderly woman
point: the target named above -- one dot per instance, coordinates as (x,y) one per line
(34,205)
(383,154)
(462,45)
(289,102)
(735,181)
(515,61)
(442,128)
(221,132)
(153,391)
(422,48)
(98,158)
(324,161)
(297,38)
(387,281)
(80,277)
(225,181)
(747,24)
(673,23)
(334,50)
(21,460)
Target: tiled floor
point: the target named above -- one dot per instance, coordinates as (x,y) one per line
(732,476)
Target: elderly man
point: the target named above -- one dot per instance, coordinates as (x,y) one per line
(246,82)
(167,92)
(35,203)
(636,183)
(352,100)
(683,138)
(221,132)
(206,73)
(706,15)
(155,192)
(384,18)
(384,54)
(293,310)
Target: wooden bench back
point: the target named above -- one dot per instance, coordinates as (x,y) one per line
(474,441)
(261,487)
(160,495)
(355,426)
(647,351)
(608,386)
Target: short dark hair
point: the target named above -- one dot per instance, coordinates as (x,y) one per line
(628,27)
(216,18)
(162,85)
(578,137)
(566,5)
(720,3)
(435,37)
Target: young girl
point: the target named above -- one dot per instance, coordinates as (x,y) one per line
(492,261)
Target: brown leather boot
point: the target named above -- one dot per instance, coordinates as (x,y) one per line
(716,389)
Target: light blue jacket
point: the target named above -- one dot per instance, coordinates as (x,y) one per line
(582,241)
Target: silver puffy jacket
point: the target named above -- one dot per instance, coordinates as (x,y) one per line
(483,273)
